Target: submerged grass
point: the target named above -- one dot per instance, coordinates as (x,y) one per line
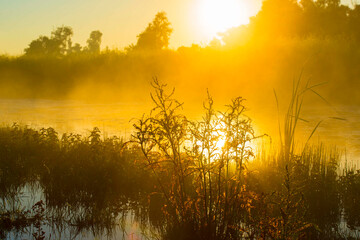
(225,192)
(87,183)
(183,179)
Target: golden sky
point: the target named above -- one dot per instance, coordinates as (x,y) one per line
(120,21)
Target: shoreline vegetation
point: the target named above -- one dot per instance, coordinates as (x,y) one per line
(124,76)
(181,179)
(321,37)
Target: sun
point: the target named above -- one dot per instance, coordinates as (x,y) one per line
(216,16)
(220,143)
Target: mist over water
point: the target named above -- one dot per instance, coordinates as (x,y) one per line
(254,134)
(340,126)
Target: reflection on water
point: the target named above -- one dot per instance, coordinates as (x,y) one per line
(70,116)
(60,220)
(90,187)
(69,188)
(340,125)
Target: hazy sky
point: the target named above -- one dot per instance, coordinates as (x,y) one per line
(120,21)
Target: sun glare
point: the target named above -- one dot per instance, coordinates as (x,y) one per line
(220,143)
(216,16)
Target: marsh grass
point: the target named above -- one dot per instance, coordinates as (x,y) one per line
(175,178)
(289,193)
(85,181)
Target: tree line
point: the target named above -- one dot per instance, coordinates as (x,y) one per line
(276,18)
(299,19)
(60,43)
(156,36)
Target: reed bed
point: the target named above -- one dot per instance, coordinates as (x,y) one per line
(182,179)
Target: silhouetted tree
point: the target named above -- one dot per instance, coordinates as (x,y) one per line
(62,36)
(293,18)
(39,47)
(328,3)
(277,18)
(157,34)
(57,45)
(76,48)
(94,42)
(354,21)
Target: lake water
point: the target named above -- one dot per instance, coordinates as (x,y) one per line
(125,224)
(340,125)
